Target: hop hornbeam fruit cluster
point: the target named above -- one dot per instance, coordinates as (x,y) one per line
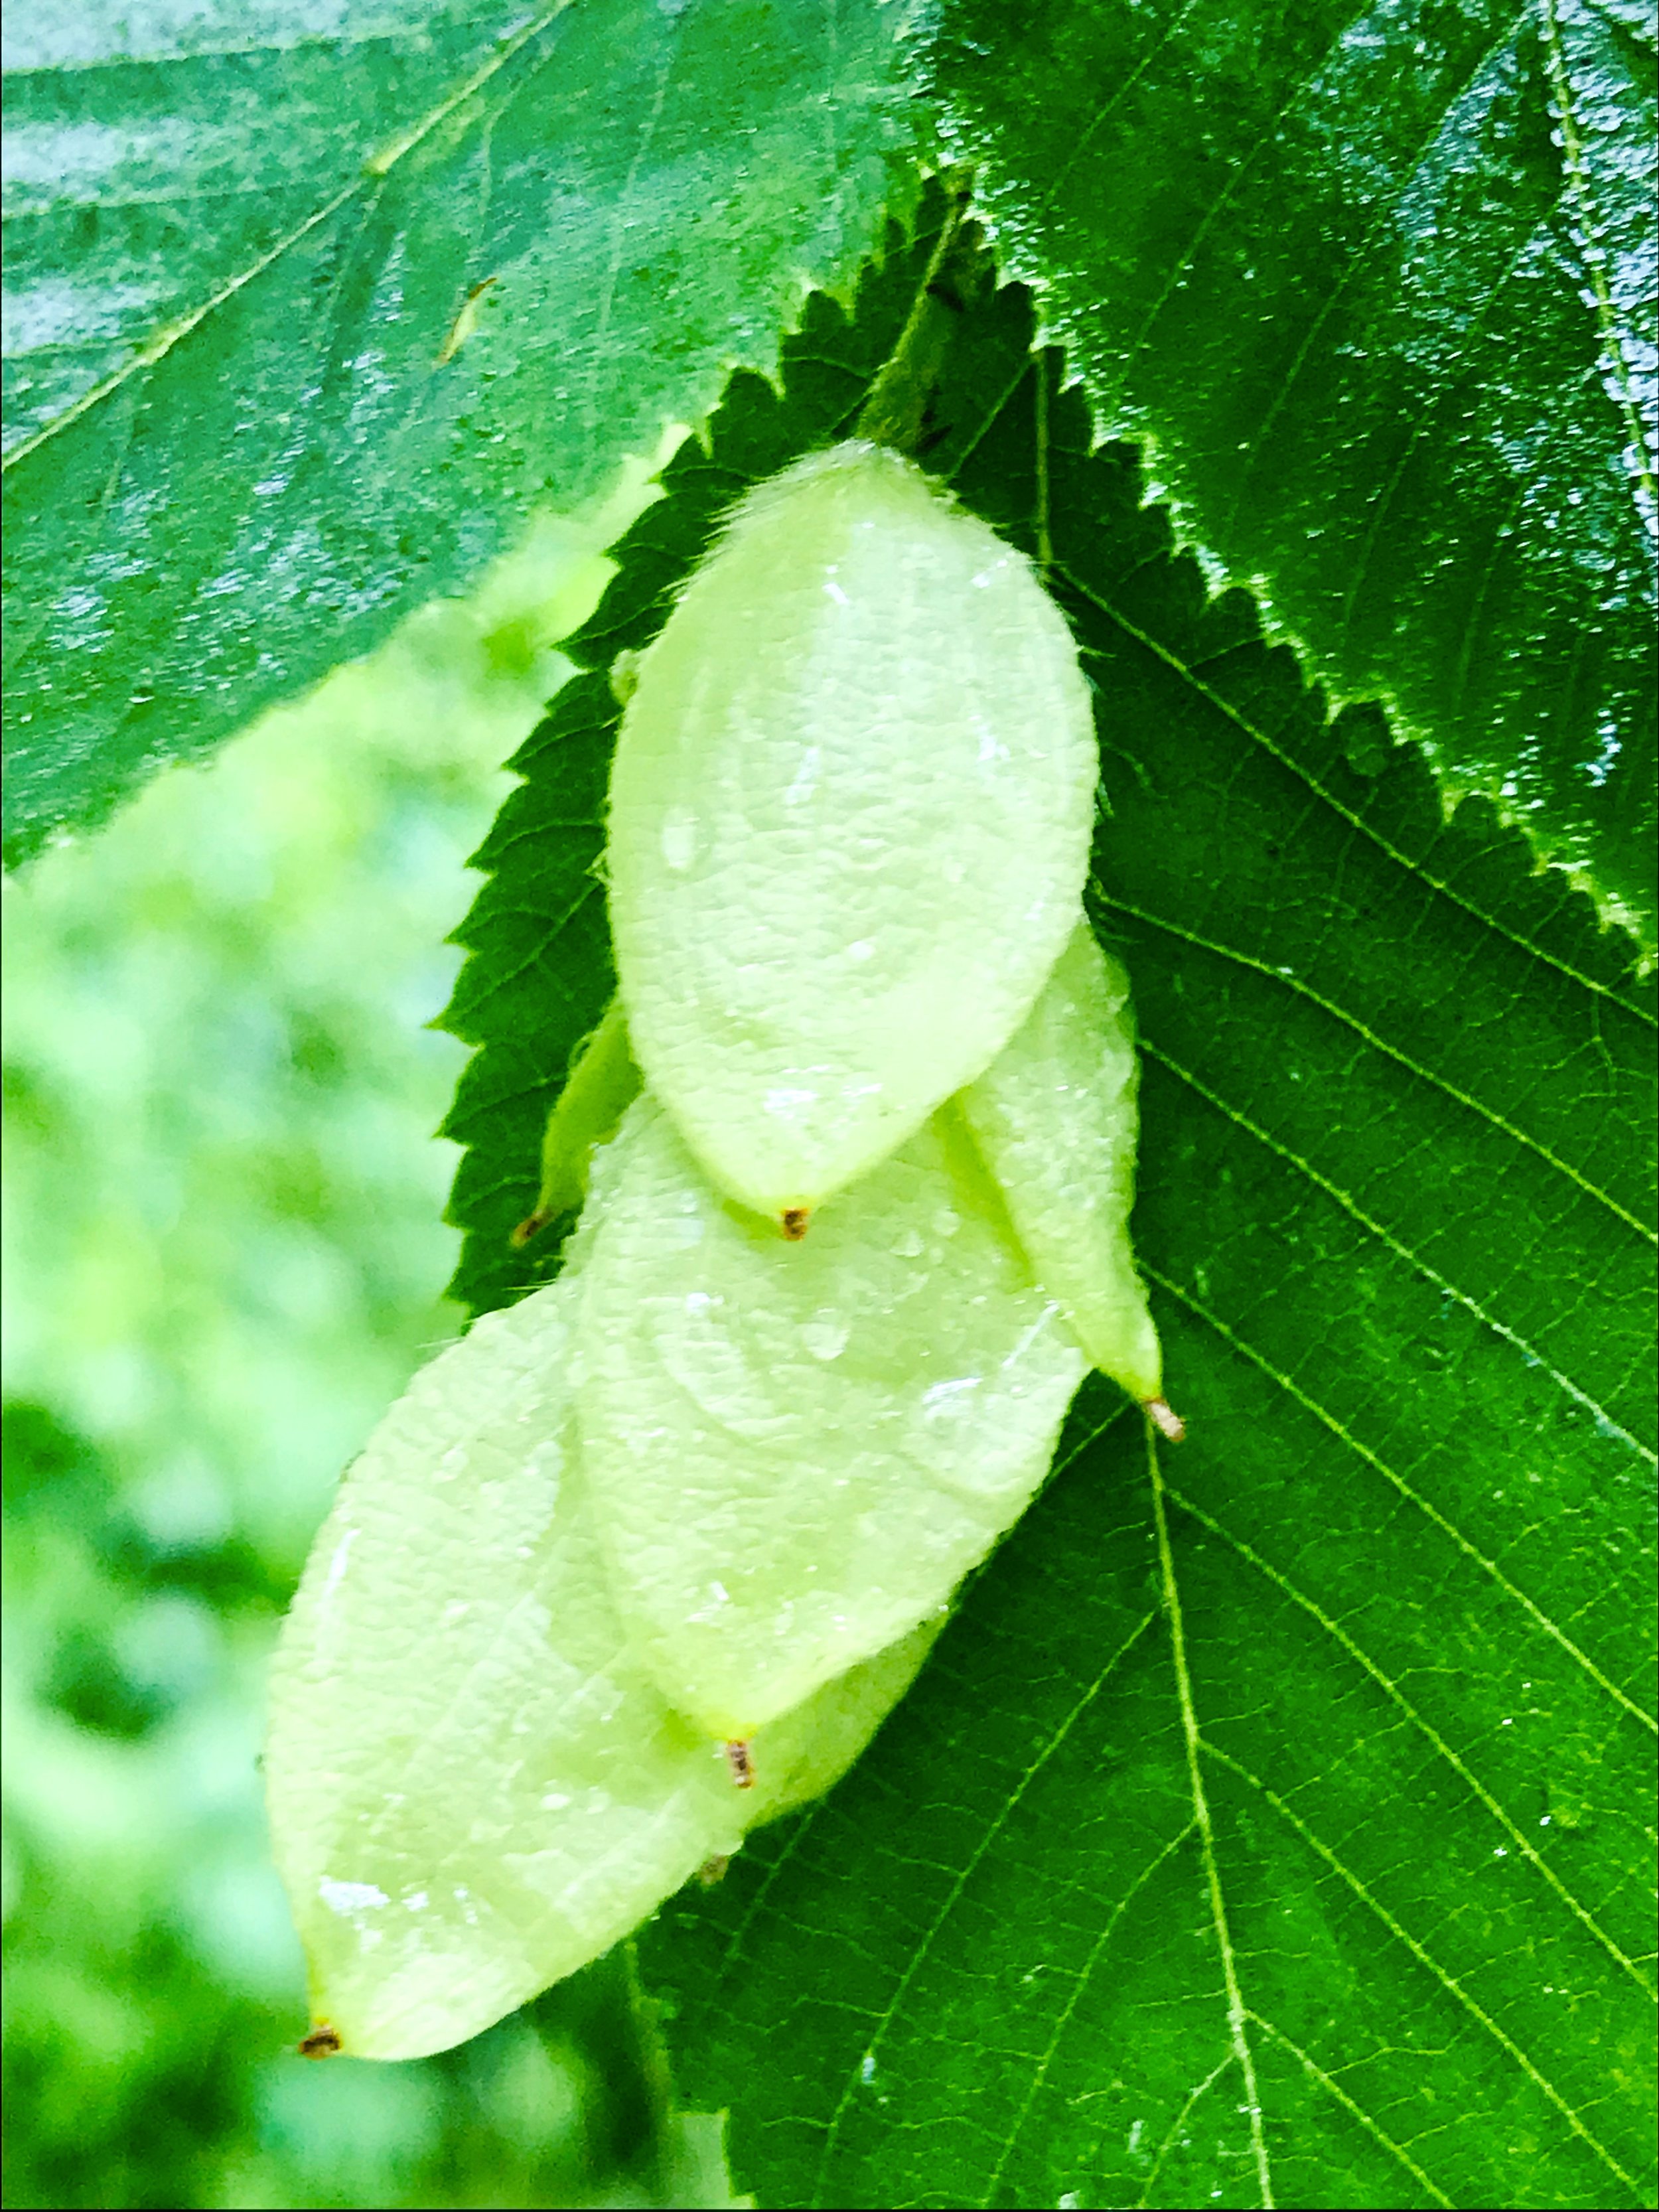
(854,1156)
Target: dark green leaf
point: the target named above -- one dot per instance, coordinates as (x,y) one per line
(1377,288)
(1342,1895)
(258,411)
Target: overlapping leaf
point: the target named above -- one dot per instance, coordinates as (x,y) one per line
(259,411)
(1340,1897)
(1378,285)
(1378,289)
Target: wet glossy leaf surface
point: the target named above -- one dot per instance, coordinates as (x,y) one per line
(259,405)
(1377,290)
(1378,286)
(1396,1161)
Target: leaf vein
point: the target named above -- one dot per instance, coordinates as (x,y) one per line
(1572,146)
(1315,2072)
(1447,1980)
(1356,821)
(1369,1037)
(1362,260)
(1235,2009)
(1082,1978)
(923,1949)
(1413,1497)
(373,169)
(1236,177)
(1350,1206)
(1171,2134)
(1425,1726)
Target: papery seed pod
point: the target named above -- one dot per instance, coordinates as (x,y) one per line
(797,1451)
(850,814)
(1055,1117)
(474,1786)
(602,1084)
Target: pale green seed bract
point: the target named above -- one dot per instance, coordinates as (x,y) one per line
(797,1451)
(850,814)
(602,1084)
(1055,1115)
(474,1786)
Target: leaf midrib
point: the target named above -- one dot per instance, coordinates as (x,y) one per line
(1425,1728)
(1447,1981)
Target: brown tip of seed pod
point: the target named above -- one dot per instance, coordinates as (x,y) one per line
(794,1220)
(532,1225)
(1164,1419)
(323,2042)
(741,1765)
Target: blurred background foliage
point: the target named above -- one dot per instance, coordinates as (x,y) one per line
(223,1253)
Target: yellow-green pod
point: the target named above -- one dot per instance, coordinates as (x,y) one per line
(797,1451)
(602,1083)
(1055,1117)
(850,814)
(474,1785)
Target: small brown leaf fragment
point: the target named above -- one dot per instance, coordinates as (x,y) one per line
(793,1224)
(713,1871)
(463,325)
(741,1766)
(1164,1419)
(323,2042)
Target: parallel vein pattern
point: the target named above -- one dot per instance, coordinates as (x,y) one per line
(1532,1358)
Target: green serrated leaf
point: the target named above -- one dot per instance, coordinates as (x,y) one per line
(1340,1899)
(307,326)
(1377,288)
